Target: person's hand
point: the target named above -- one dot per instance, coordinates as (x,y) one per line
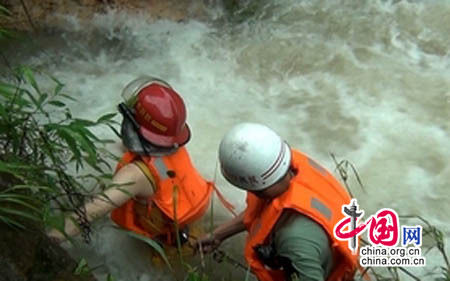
(207,243)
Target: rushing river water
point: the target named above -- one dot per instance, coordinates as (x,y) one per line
(366,80)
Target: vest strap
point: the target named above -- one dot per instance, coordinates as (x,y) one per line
(230,207)
(144,169)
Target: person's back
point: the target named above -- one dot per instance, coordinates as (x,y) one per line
(156,185)
(303,247)
(292,206)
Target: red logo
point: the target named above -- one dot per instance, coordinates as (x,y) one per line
(383,226)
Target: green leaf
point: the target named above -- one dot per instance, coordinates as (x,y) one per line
(18,201)
(82,267)
(106,163)
(107,176)
(68,114)
(67,97)
(23,214)
(31,96)
(29,77)
(42,99)
(4,11)
(12,167)
(110,278)
(86,133)
(85,144)
(57,103)
(66,135)
(11,222)
(33,188)
(82,123)
(247,273)
(7,90)
(12,93)
(3,112)
(56,221)
(106,117)
(123,190)
(52,126)
(152,244)
(107,141)
(115,131)
(8,34)
(58,88)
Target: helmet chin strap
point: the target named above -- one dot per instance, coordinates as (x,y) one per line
(134,141)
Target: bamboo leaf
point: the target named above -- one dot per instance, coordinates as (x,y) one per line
(107,141)
(152,244)
(4,11)
(82,267)
(68,138)
(58,88)
(86,145)
(29,77)
(86,133)
(12,93)
(67,97)
(34,188)
(3,112)
(115,131)
(125,191)
(42,99)
(31,96)
(7,90)
(68,114)
(106,117)
(11,222)
(57,103)
(82,123)
(18,213)
(106,163)
(17,201)
(56,221)
(11,167)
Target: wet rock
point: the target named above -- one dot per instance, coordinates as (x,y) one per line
(35,14)
(31,256)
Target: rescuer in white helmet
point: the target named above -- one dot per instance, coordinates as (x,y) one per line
(293,204)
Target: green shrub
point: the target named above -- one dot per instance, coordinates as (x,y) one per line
(42,148)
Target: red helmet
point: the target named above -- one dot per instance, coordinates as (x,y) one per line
(159,110)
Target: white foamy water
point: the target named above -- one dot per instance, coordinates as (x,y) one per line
(366,80)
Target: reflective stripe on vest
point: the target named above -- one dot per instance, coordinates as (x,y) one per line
(321,207)
(161,167)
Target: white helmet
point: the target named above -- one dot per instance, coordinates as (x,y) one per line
(253,157)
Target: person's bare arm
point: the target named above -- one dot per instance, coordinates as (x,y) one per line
(112,198)
(232,227)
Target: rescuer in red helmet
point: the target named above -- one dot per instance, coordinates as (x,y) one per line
(166,191)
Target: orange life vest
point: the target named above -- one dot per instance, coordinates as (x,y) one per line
(181,195)
(313,192)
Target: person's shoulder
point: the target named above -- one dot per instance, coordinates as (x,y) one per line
(300,227)
(130,171)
